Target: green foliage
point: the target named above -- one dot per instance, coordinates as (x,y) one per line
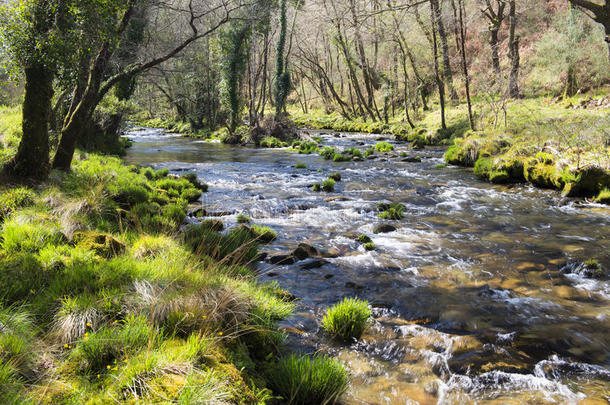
(300,166)
(100,351)
(234,39)
(303,380)
(316,187)
(384,147)
(15,198)
(603,197)
(336,176)
(148,246)
(341,158)
(21,234)
(22,276)
(264,234)
(328,185)
(347,320)
(272,142)
(237,247)
(354,152)
(391,211)
(243,219)
(369,246)
(362,238)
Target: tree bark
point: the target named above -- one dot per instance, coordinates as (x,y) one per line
(513,53)
(32,158)
(442,34)
(439,82)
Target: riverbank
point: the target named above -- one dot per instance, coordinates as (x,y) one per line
(108,295)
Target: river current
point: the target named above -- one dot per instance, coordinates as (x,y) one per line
(478,297)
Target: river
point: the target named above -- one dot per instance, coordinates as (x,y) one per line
(477,296)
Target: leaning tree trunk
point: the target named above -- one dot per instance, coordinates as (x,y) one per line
(32,159)
(447,72)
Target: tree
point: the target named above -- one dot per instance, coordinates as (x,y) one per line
(234,45)
(513,52)
(282,76)
(600,13)
(32,33)
(495,19)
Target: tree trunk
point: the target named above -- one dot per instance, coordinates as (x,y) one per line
(439,82)
(32,158)
(513,54)
(447,72)
(462,42)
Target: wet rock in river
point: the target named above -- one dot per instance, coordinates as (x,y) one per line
(219,213)
(197,212)
(384,228)
(337,198)
(351,284)
(305,251)
(282,259)
(412,159)
(313,264)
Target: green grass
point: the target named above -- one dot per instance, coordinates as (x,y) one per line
(362,238)
(384,147)
(243,219)
(264,234)
(272,142)
(328,185)
(300,166)
(304,380)
(335,176)
(14,198)
(347,320)
(393,211)
(369,246)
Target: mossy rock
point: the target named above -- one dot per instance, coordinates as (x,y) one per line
(103,244)
(603,197)
(542,174)
(499,177)
(483,168)
(587,182)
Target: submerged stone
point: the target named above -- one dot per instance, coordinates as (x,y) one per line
(384,228)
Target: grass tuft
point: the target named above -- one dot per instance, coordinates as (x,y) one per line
(347,320)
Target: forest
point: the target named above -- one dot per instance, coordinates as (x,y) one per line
(305,202)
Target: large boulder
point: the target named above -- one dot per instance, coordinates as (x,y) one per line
(586,182)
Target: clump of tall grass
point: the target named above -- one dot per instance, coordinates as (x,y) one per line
(304,380)
(347,320)
(236,247)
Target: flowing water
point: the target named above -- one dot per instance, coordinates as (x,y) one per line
(477,296)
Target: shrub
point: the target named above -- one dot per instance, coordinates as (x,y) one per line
(335,176)
(300,166)
(316,187)
(384,147)
(328,185)
(347,320)
(369,152)
(391,211)
(369,246)
(15,198)
(303,380)
(243,219)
